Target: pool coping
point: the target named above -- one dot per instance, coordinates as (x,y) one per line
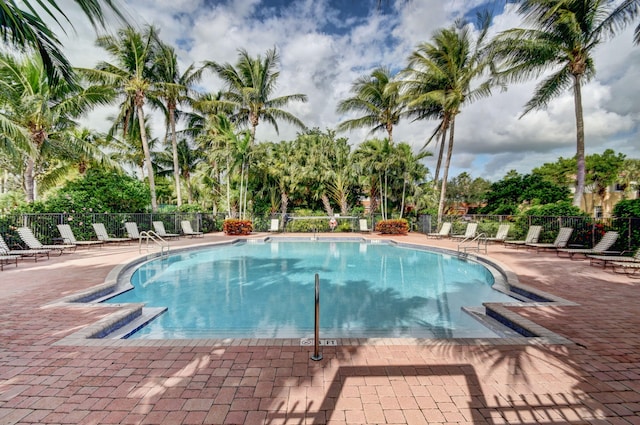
(501,312)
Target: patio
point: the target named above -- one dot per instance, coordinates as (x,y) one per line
(596,380)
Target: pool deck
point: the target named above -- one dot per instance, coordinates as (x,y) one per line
(47,377)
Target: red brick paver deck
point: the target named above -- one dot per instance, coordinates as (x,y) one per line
(594,380)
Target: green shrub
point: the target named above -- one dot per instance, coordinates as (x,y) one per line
(393,227)
(628,208)
(557,209)
(100,192)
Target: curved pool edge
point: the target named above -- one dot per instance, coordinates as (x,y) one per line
(501,312)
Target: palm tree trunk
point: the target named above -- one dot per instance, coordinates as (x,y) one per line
(147,158)
(174,147)
(445,173)
(577,97)
(404,189)
(327,204)
(29,180)
(443,140)
(240,197)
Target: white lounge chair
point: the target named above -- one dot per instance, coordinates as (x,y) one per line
(132,230)
(101,233)
(561,241)
(469,233)
(275,225)
(69,238)
(630,268)
(501,234)
(601,248)
(6,259)
(532,237)
(23,253)
(364,225)
(158,226)
(187,230)
(605,260)
(33,243)
(445,229)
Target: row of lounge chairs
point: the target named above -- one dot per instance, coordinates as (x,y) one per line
(599,255)
(69,243)
(471,232)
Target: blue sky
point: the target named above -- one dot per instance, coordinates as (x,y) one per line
(325,45)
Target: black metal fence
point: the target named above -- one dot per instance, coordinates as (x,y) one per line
(587,230)
(44,226)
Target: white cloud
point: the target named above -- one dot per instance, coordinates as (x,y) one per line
(491,138)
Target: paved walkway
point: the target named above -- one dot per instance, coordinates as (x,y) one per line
(594,380)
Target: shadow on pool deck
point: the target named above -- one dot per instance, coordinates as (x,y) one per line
(595,380)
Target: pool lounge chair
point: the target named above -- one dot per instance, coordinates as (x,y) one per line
(69,238)
(532,237)
(22,253)
(187,230)
(158,226)
(275,225)
(33,243)
(133,232)
(445,229)
(627,267)
(469,233)
(562,239)
(501,234)
(364,225)
(6,259)
(606,260)
(601,248)
(101,233)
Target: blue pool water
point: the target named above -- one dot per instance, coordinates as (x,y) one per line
(266,290)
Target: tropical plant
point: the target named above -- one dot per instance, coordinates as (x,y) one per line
(562,39)
(442,77)
(131,75)
(172,88)
(250,85)
(376,96)
(23,27)
(36,118)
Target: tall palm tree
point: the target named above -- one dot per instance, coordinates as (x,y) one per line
(131,75)
(447,71)
(562,39)
(172,89)
(250,85)
(23,27)
(37,118)
(377,96)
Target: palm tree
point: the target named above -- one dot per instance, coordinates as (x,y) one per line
(564,35)
(36,118)
(172,89)
(409,170)
(374,160)
(250,85)
(22,27)
(188,160)
(376,96)
(444,72)
(132,77)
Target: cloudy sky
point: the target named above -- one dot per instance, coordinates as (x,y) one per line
(325,45)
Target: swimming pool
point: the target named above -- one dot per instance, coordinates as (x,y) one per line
(266,290)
